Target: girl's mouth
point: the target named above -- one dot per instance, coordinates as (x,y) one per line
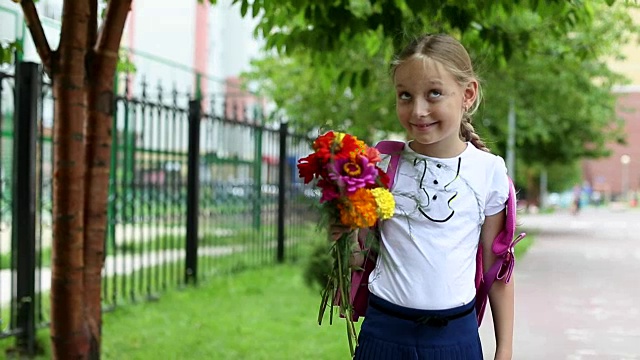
(423,126)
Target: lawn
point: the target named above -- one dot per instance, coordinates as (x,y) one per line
(257,314)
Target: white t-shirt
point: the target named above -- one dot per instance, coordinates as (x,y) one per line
(427,257)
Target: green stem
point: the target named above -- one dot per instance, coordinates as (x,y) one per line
(344,284)
(339,283)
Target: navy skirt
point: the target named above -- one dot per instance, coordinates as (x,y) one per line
(392,332)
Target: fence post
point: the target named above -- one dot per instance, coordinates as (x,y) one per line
(27,105)
(282,189)
(257,172)
(193,184)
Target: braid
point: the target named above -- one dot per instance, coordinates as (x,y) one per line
(468,133)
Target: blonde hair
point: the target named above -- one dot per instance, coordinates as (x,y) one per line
(454,57)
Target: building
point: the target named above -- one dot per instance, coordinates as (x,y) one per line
(168,40)
(177,49)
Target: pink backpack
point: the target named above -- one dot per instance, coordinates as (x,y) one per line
(503,246)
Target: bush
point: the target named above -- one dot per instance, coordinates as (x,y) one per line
(318,264)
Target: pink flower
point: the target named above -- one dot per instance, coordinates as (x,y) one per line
(329,190)
(329,194)
(353,174)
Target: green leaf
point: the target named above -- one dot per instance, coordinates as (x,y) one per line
(8,50)
(418,6)
(255,9)
(353,83)
(244,7)
(341,77)
(364,77)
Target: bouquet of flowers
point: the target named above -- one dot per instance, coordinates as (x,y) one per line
(355,195)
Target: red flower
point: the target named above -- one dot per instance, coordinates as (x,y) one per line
(383,179)
(324,146)
(308,168)
(329,190)
(349,147)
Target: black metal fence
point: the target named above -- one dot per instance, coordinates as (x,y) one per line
(197,188)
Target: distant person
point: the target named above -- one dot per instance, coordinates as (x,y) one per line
(450,195)
(577,197)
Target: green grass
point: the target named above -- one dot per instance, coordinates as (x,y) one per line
(523,246)
(45,253)
(258,314)
(263,314)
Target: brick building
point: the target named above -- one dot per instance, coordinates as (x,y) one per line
(620,172)
(240,105)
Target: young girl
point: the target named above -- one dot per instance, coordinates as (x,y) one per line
(450,195)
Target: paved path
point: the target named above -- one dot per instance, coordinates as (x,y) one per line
(122,264)
(578,288)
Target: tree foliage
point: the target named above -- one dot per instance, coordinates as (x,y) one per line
(289,25)
(562,90)
(322,28)
(7,51)
(555,73)
(316,94)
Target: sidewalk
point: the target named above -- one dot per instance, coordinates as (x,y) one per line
(577,289)
(123,264)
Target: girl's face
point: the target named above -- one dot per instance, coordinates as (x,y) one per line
(430,104)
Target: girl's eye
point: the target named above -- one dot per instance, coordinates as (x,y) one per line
(404,96)
(434,94)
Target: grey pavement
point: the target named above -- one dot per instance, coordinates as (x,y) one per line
(123,264)
(577,288)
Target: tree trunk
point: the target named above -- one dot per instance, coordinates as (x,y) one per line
(98,145)
(533,188)
(100,99)
(82,70)
(69,334)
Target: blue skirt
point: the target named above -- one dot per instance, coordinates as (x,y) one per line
(388,333)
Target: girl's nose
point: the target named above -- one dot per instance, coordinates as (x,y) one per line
(421,108)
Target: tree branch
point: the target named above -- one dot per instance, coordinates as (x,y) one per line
(92,33)
(37,33)
(110,33)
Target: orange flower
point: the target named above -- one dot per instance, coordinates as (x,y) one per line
(359,210)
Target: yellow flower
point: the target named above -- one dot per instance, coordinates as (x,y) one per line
(360,209)
(384,200)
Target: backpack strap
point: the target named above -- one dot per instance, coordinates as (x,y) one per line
(359,295)
(503,246)
(393,148)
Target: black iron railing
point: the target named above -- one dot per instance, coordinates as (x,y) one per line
(197,188)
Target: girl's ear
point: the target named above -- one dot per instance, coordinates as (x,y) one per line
(470,93)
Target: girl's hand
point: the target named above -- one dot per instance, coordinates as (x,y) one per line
(502,354)
(337,230)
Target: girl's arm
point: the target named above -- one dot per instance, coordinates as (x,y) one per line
(501,295)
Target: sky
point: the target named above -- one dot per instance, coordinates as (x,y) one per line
(166,28)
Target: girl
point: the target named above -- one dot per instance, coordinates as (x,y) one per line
(450,196)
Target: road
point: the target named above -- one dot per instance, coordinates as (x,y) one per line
(577,288)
